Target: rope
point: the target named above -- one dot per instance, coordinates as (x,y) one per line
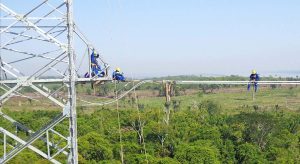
(79,33)
(81,61)
(140,124)
(118,97)
(119,125)
(120,90)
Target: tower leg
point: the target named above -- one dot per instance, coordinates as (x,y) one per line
(73,156)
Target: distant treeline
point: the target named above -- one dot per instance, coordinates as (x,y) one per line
(231,77)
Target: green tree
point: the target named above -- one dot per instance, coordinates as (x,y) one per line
(93,146)
(198,152)
(248,153)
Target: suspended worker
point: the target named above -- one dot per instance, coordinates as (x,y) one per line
(95,67)
(254,78)
(117,75)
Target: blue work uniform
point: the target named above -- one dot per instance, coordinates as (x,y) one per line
(96,68)
(118,76)
(253,80)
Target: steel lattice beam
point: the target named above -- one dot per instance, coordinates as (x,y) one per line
(21,80)
(49,33)
(73,156)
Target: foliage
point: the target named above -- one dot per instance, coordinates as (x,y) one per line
(203,128)
(199,152)
(93,146)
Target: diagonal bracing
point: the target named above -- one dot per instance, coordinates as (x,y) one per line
(65,56)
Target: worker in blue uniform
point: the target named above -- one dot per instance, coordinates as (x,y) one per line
(117,75)
(254,78)
(96,68)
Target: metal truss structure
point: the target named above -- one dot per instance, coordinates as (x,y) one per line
(35,45)
(239,82)
(39,44)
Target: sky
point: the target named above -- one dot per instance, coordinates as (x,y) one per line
(148,38)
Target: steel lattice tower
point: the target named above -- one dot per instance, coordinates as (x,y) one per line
(37,48)
(36,45)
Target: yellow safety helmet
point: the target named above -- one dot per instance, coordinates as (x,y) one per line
(118,69)
(253,71)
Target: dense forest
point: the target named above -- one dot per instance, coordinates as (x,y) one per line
(200,130)
(207,124)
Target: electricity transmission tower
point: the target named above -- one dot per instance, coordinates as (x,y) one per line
(37,48)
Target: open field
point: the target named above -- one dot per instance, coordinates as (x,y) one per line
(223,125)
